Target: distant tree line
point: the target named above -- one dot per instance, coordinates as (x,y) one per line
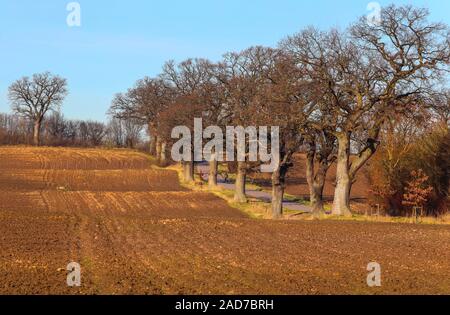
(56,130)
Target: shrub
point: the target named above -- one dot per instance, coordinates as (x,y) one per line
(417,190)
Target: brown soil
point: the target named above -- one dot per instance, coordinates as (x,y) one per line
(135,230)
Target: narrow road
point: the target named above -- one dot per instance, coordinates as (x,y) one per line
(265,196)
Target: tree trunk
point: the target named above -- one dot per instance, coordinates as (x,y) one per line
(188,171)
(37,133)
(341,203)
(316,182)
(158,149)
(277,194)
(163,158)
(316,195)
(239,194)
(152,148)
(152,134)
(212,177)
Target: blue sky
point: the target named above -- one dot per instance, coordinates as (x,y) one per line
(121,41)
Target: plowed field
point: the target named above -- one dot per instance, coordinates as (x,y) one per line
(135,230)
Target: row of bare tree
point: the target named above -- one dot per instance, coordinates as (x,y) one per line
(55,130)
(333,92)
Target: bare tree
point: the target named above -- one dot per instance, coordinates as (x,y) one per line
(320,154)
(283,91)
(133,129)
(242,77)
(404,58)
(92,132)
(33,98)
(188,79)
(368,75)
(115,132)
(54,129)
(145,102)
(439,105)
(124,132)
(14,129)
